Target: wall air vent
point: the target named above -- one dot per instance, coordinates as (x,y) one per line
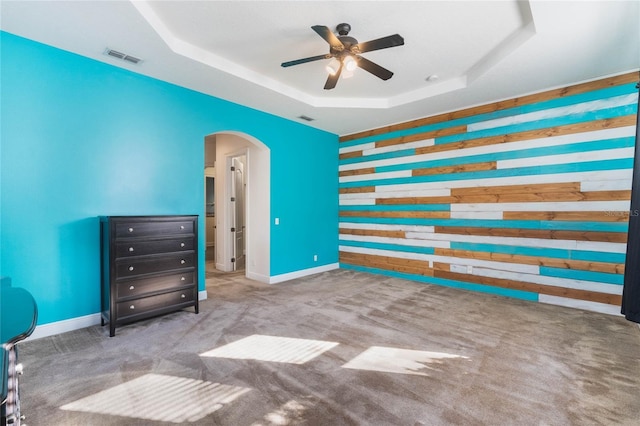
(305,118)
(123,56)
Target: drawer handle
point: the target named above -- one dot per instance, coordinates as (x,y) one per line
(132,307)
(182,262)
(181,244)
(183,296)
(131,268)
(182,278)
(130,248)
(131,287)
(181,226)
(130,230)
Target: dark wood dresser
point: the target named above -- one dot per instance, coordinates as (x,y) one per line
(149,267)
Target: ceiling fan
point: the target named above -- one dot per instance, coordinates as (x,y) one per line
(344,52)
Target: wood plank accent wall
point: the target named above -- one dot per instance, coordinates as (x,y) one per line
(526,198)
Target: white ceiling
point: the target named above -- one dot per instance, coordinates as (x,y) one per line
(481,51)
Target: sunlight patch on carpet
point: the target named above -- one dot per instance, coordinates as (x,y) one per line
(289,413)
(272,348)
(401,361)
(160,398)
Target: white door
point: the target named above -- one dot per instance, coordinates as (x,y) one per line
(238,211)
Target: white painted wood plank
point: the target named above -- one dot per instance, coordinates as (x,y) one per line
(579,157)
(354,148)
(388,253)
(358,202)
(603,308)
(397,241)
(525,242)
(621,174)
(385,227)
(606,185)
(476,215)
(384,175)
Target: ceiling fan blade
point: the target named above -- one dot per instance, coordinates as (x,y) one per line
(380,43)
(305,60)
(330,37)
(333,79)
(374,68)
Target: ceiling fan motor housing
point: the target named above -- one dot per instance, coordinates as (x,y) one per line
(343,29)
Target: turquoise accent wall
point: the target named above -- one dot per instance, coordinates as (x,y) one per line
(81,138)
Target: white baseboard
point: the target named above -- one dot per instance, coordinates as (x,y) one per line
(258,277)
(302,273)
(63,326)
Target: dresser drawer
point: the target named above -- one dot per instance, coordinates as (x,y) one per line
(147,305)
(132,229)
(153,264)
(144,247)
(138,287)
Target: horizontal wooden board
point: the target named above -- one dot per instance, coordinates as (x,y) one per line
(373,232)
(631,77)
(357,189)
(610,268)
(579,216)
(459,168)
(517,189)
(420,136)
(405,214)
(352,154)
(408,266)
(592,296)
(588,126)
(357,172)
(416,200)
(611,237)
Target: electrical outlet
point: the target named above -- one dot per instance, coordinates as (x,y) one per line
(315,257)
(277,221)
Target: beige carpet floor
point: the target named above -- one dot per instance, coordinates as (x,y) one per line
(341,348)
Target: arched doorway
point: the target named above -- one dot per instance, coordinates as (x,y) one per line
(242,229)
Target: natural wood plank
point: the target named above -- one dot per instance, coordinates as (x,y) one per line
(421,136)
(490,165)
(357,189)
(373,232)
(439,266)
(357,172)
(397,214)
(592,296)
(631,77)
(352,154)
(610,268)
(408,266)
(627,120)
(580,216)
(532,197)
(610,237)
(517,189)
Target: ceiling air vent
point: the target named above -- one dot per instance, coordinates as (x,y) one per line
(305,118)
(123,56)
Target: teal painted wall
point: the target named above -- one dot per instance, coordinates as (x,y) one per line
(81,138)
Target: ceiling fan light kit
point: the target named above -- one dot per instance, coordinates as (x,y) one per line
(344,52)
